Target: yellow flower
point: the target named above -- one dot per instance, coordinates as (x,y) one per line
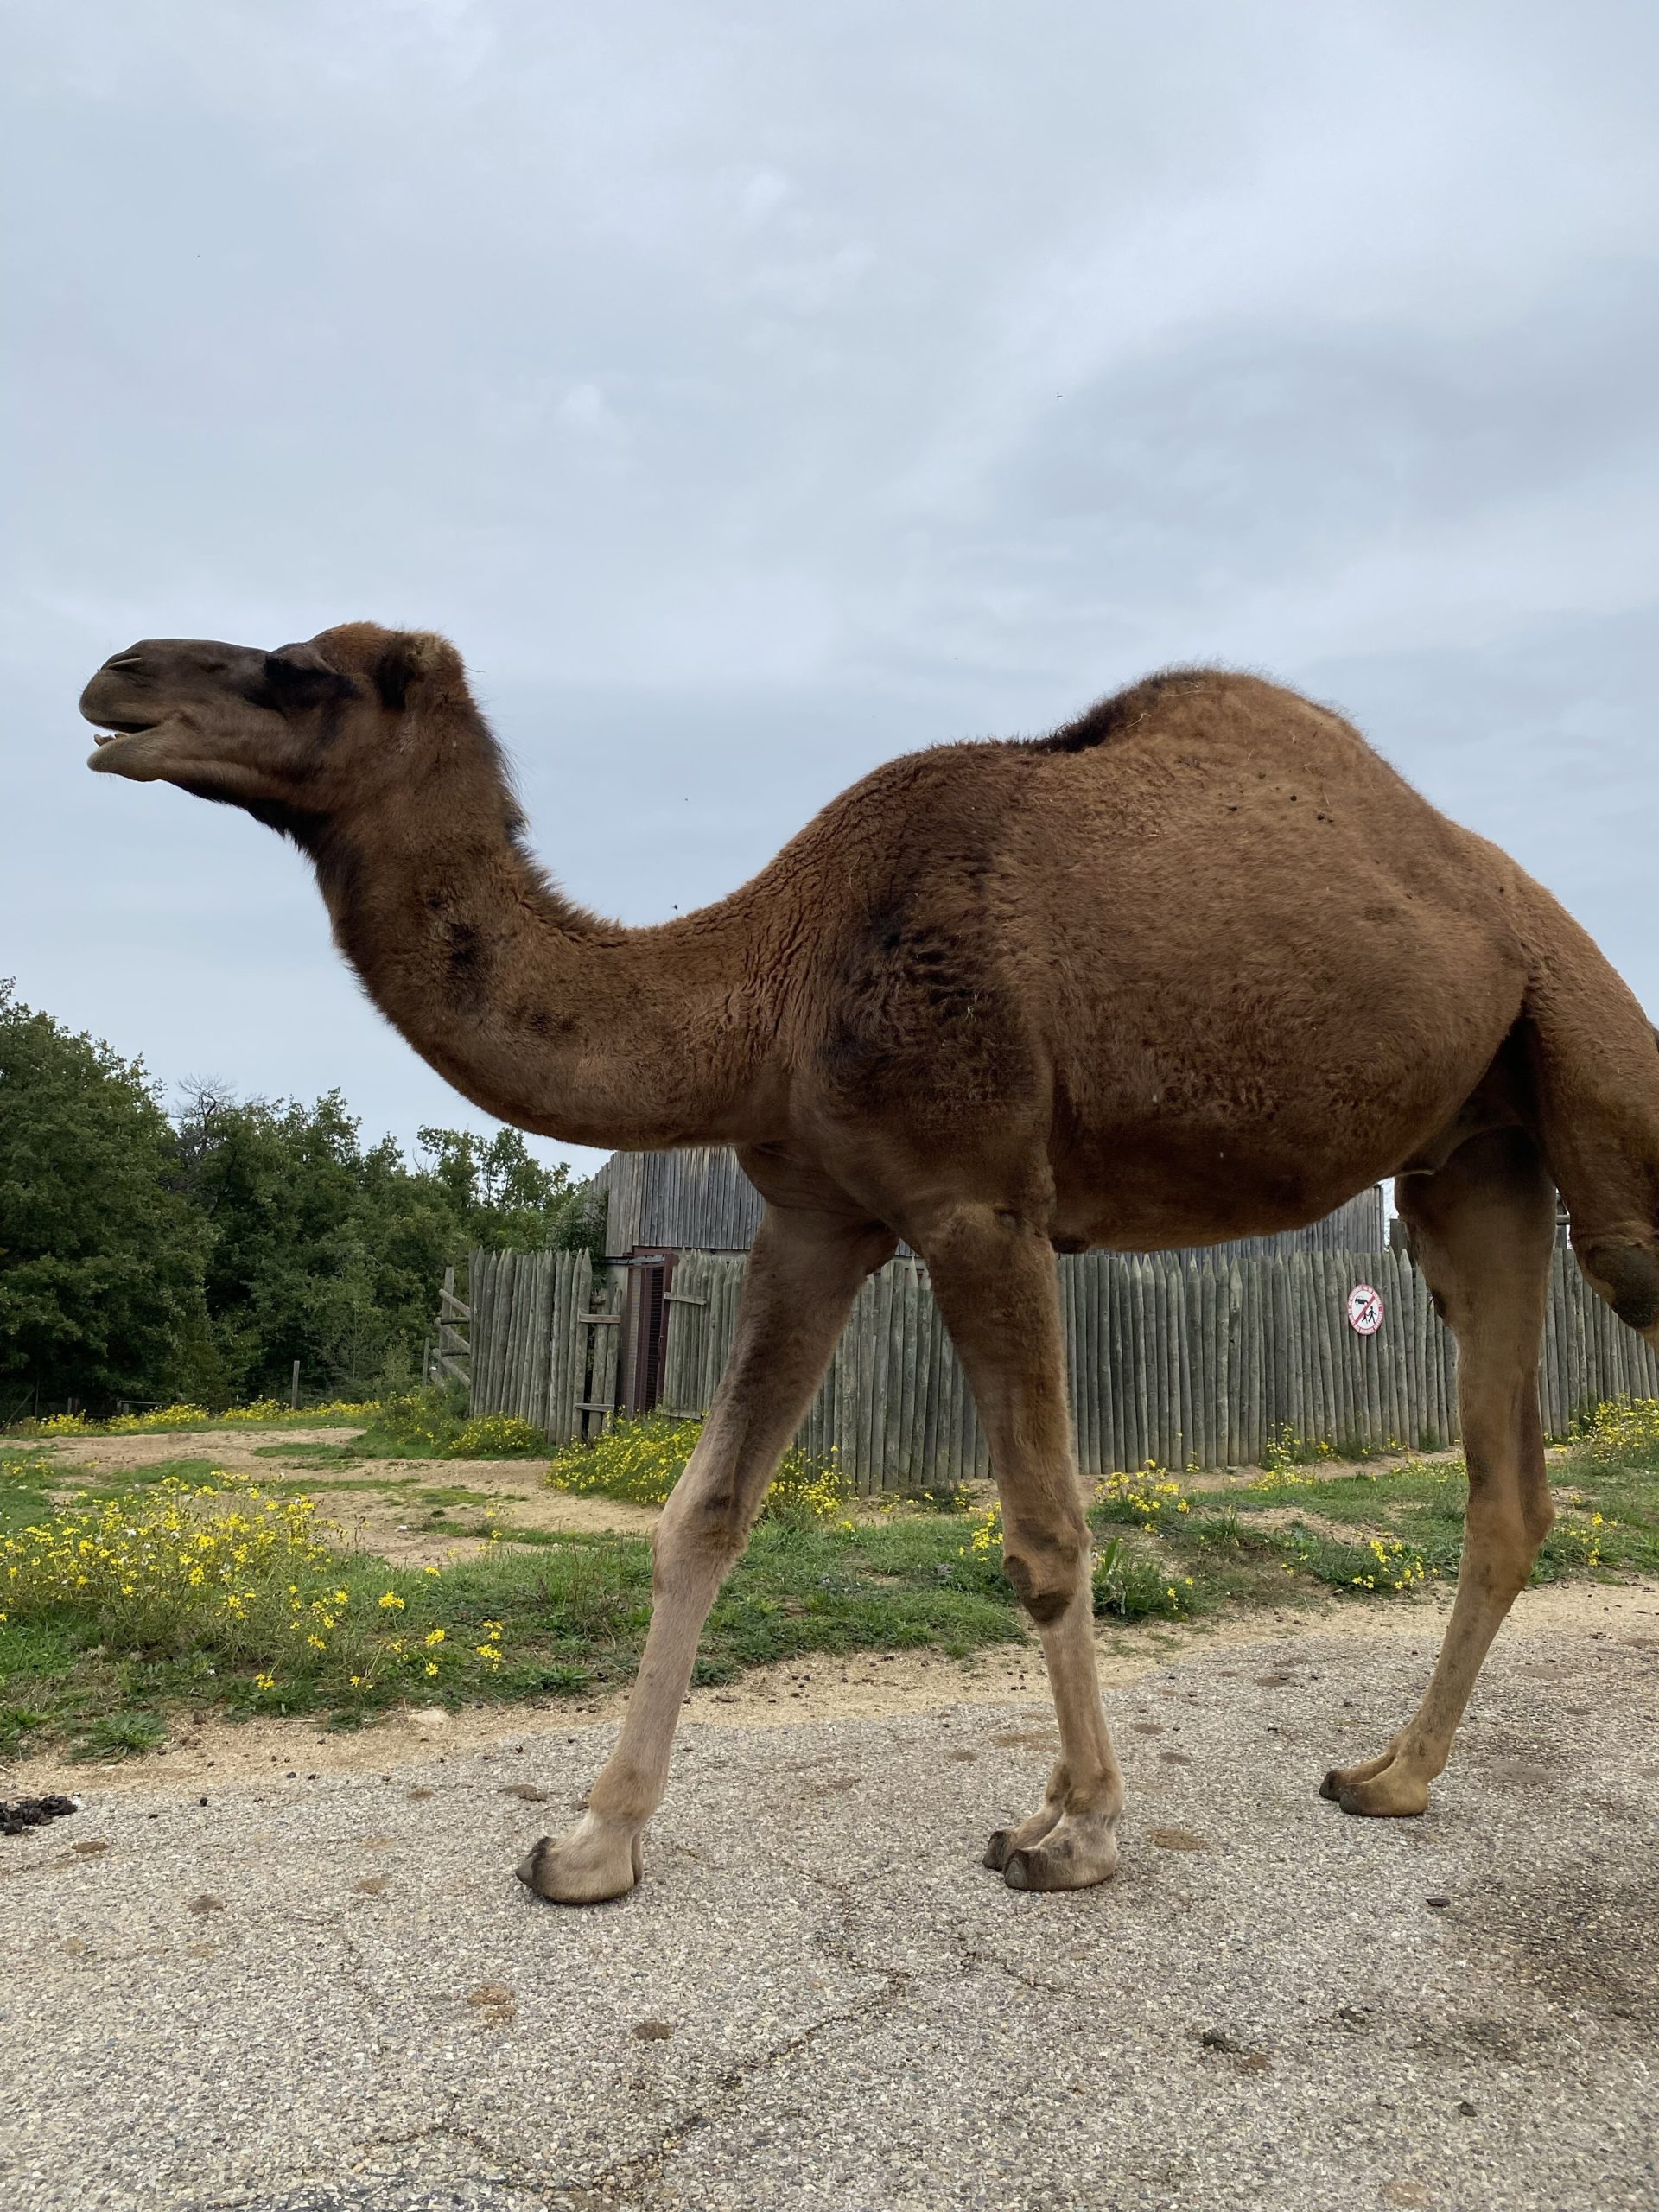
(391,1602)
(434,1636)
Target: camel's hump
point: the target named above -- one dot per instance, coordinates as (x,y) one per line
(1170,696)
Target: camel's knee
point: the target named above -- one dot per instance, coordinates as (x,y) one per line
(1627,1274)
(1049,1569)
(1501,1543)
(703,1534)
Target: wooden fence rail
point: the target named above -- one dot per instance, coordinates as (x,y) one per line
(1180,1358)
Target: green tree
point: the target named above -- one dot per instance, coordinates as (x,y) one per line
(504,1200)
(331,1254)
(101,1253)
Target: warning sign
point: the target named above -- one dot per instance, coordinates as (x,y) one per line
(1365,1310)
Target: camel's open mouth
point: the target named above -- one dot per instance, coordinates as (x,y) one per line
(120,729)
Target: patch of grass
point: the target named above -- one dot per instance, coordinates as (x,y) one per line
(1134,1586)
(118,1735)
(26,1479)
(432,1423)
(311,1455)
(230,1596)
(17,1722)
(388,1486)
(547,1613)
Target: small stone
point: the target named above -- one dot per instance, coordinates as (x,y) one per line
(206,1902)
(1466,2111)
(650,2030)
(1439,1903)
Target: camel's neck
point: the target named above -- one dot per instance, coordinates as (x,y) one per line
(541,1014)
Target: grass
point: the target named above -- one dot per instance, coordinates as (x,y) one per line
(323,1630)
(316,1629)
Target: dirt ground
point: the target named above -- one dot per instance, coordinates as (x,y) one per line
(399,1513)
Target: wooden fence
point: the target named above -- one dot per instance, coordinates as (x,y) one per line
(1180,1358)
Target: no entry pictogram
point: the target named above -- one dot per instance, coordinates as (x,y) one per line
(1365,1310)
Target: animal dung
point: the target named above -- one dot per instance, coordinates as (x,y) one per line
(24,1813)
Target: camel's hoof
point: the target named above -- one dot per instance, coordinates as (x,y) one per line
(1069,1859)
(1389,1795)
(1000,1850)
(588,1867)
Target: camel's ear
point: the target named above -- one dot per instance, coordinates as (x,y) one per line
(417,668)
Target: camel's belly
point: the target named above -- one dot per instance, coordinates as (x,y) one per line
(1189,1130)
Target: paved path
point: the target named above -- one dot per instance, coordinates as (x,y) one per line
(331,1996)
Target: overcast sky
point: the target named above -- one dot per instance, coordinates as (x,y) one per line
(754,391)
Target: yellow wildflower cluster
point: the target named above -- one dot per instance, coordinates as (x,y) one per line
(1283,1454)
(162,1552)
(1396,1567)
(1583,1537)
(221,1567)
(984,1534)
(1621,1432)
(642,1460)
(262,1413)
(1146,1496)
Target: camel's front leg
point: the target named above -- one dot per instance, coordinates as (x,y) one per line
(993,1274)
(802,1276)
(1481,1229)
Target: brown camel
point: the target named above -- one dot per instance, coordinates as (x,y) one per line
(1198,965)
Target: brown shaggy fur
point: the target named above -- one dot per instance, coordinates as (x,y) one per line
(1199,965)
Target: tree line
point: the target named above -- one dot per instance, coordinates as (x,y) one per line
(197,1255)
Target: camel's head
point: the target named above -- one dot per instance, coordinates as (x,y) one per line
(291,735)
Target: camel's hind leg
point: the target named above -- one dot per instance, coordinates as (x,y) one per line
(1481,1229)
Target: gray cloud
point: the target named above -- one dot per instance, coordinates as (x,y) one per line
(753,393)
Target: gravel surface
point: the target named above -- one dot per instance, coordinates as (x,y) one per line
(332,1995)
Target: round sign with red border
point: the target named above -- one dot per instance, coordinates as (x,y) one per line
(1365,1310)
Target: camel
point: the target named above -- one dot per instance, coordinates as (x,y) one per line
(1197,965)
